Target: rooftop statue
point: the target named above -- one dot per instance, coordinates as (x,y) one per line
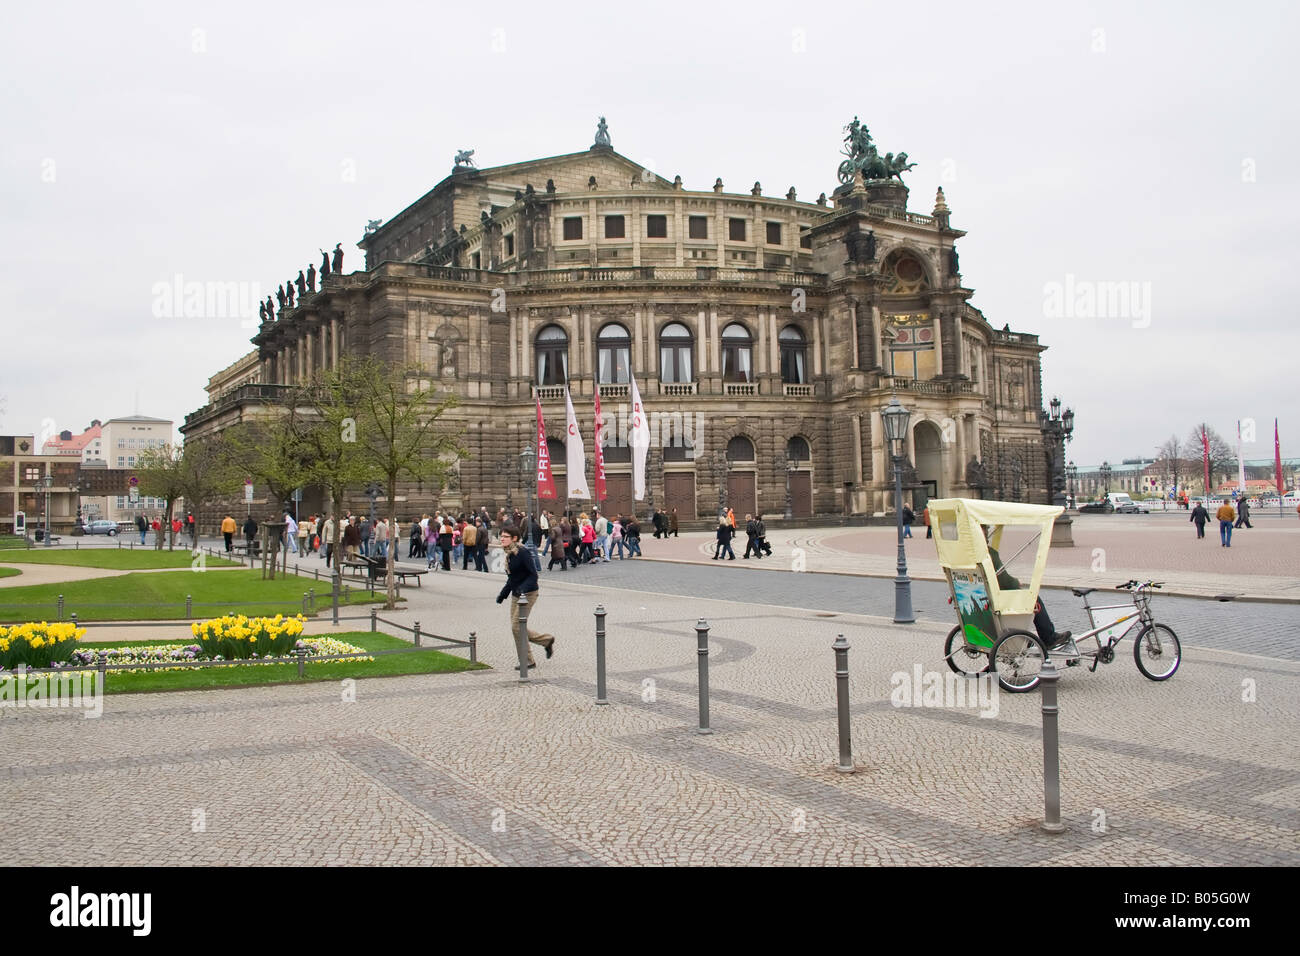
(602,134)
(863,155)
(465,157)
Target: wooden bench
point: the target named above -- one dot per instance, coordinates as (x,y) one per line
(403,573)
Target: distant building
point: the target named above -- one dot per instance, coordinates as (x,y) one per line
(88,446)
(124,439)
(22,489)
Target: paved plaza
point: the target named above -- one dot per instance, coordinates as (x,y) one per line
(475,768)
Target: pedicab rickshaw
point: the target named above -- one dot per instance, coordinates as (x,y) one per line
(996,630)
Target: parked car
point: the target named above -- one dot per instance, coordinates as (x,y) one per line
(1097,507)
(1124,504)
(102,527)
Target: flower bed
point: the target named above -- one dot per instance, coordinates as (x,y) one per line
(184,653)
(39,644)
(236,637)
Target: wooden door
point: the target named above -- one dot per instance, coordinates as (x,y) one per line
(679,493)
(740,494)
(801,494)
(618,494)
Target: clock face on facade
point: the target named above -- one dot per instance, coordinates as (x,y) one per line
(906,275)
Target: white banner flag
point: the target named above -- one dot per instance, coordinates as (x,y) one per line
(638,436)
(575,454)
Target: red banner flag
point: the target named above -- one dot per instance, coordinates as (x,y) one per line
(1205,458)
(1277,460)
(545,483)
(600,454)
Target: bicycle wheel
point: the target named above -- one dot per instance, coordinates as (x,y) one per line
(1157,652)
(1018,660)
(966,659)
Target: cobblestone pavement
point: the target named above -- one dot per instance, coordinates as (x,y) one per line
(478,769)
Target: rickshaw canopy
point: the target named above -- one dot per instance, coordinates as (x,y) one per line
(962,546)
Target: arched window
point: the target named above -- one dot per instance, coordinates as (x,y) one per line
(740,448)
(613,355)
(737,354)
(796,449)
(794,356)
(555,448)
(675,354)
(552,348)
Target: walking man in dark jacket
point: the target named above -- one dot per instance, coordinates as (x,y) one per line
(762,536)
(908,517)
(521,580)
(751,535)
(1200,517)
(250,533)
(1243,514)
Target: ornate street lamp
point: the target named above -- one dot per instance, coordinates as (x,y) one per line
(1104,470)
(47,483)
(1071,474)
(720,466)
(528,472)
(895,418)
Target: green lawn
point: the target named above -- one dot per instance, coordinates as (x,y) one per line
(200,678)
(11,541)
(8,572)
(114,559)
(126,596)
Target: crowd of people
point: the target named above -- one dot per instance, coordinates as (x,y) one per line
(444,540)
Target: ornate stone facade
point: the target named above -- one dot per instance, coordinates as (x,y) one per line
(754,324)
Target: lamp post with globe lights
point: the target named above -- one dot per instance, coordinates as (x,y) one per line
(895,418)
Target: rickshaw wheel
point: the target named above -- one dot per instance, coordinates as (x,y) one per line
(962,657)
(1018,660)
(1157,652)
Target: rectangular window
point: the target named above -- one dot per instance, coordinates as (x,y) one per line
(736,230)
(773,233)
(613,227)
(572,227)
(31,474)
(805,241)
(478,260)
(121,461)
(699,227)
(510,246)
(656,227)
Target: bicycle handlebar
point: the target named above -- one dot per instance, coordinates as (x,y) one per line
(1130,585)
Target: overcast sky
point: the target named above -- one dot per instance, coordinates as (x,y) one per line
(1150,144)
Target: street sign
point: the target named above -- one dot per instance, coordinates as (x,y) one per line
(248,491)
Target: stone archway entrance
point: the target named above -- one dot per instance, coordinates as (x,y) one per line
(928,441)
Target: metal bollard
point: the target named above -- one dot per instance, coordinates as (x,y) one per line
(311,599)
(74,619)
(102,664)
(521,638)
(600,654)
(60,607)
(1051,750)
(334,596)
(841,647)
(189,606)
(302,661)
(473,647)
(702,636)
(374,619)
(304,602)
(415,631)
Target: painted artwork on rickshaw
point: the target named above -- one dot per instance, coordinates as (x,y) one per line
(971,598)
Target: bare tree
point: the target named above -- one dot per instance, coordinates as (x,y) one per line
(1170,457)
(1222,457)
(402,435)
(160,473)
